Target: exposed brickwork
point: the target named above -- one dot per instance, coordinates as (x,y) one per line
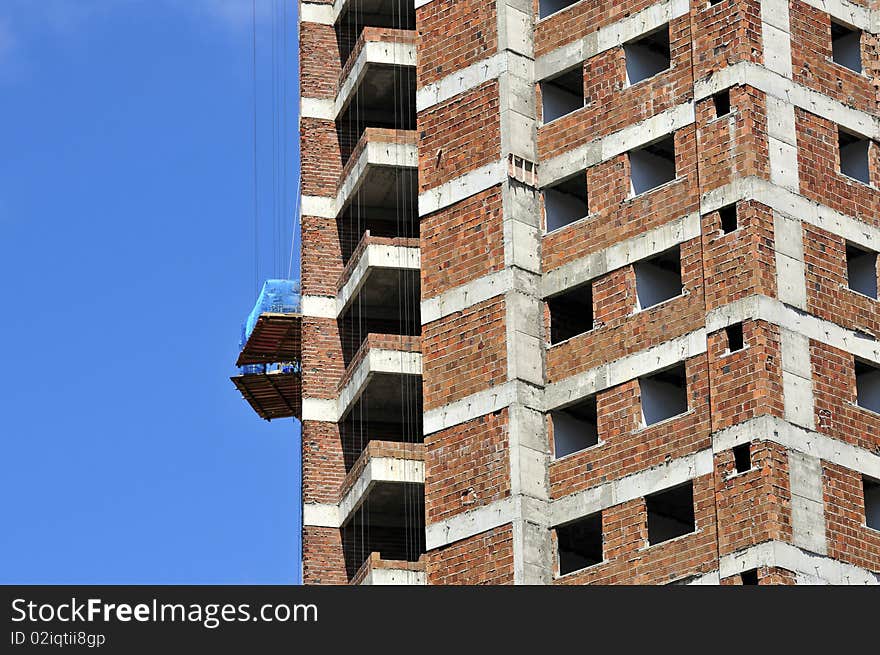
(813,66)
(473,462)
(466,353)
(322,256)
(615,215)
(319,61)
(767,575)
(629,559)
(741,263)
(323,559)
(618,331)
(323,363)
(849,540)
(466,466)
(733,146)
(484,559)
(611,104)
(321,157)
(834,387)
(581,19)
(753,506)
(627,447)
(459,135)
(454,34)
(462,243)
(821,179)
(747,383)
(323,465)
(725,34)
(828,293)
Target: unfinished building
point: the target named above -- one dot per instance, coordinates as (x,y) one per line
(590,292)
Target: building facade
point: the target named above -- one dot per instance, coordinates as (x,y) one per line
(590,291)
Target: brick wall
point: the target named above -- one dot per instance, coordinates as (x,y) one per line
(732,146)
(619,330)
(462,242)
(486,558)
(834,388)
(627,447)
(323,558)
(741,263)
(747,383)
(464,353)
(821,179)
(459,135)
(849,540)
(454,34)
(725,34)
(615,215)
(611,104)
(466,466)
(828,293)
(812,65)
(629,559)
(753,506)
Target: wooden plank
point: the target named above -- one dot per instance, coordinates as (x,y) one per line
(272,395)
(275,338)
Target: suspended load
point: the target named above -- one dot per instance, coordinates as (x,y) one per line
(271,352)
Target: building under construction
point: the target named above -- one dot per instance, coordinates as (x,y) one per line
(589,293)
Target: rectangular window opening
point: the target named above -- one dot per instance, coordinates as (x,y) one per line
(571,313)
(729,219)
(670,513)
(872,503)
(548,7)
(658,279)
(563,94)
(566,202)
(575,428)
(861,271)
(579,544)
(868,386)
(648,55)
(749,577)
(846,46)
(735,340)
(663,395)
(652,165)
(854,156)
(742,457)
(721,100)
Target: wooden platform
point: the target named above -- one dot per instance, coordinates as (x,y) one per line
(276,338)
(272,395)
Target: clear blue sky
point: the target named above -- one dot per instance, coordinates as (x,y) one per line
(126,269)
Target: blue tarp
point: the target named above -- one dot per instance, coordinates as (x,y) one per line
(278,297)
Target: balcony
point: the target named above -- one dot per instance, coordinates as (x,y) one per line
(384,491)
(381,173)
(383,379)
(381,64)
(379,572)
(355,16)
(377,87)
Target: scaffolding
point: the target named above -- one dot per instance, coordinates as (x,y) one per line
(270,354)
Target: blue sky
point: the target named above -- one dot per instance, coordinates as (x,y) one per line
(127,265)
